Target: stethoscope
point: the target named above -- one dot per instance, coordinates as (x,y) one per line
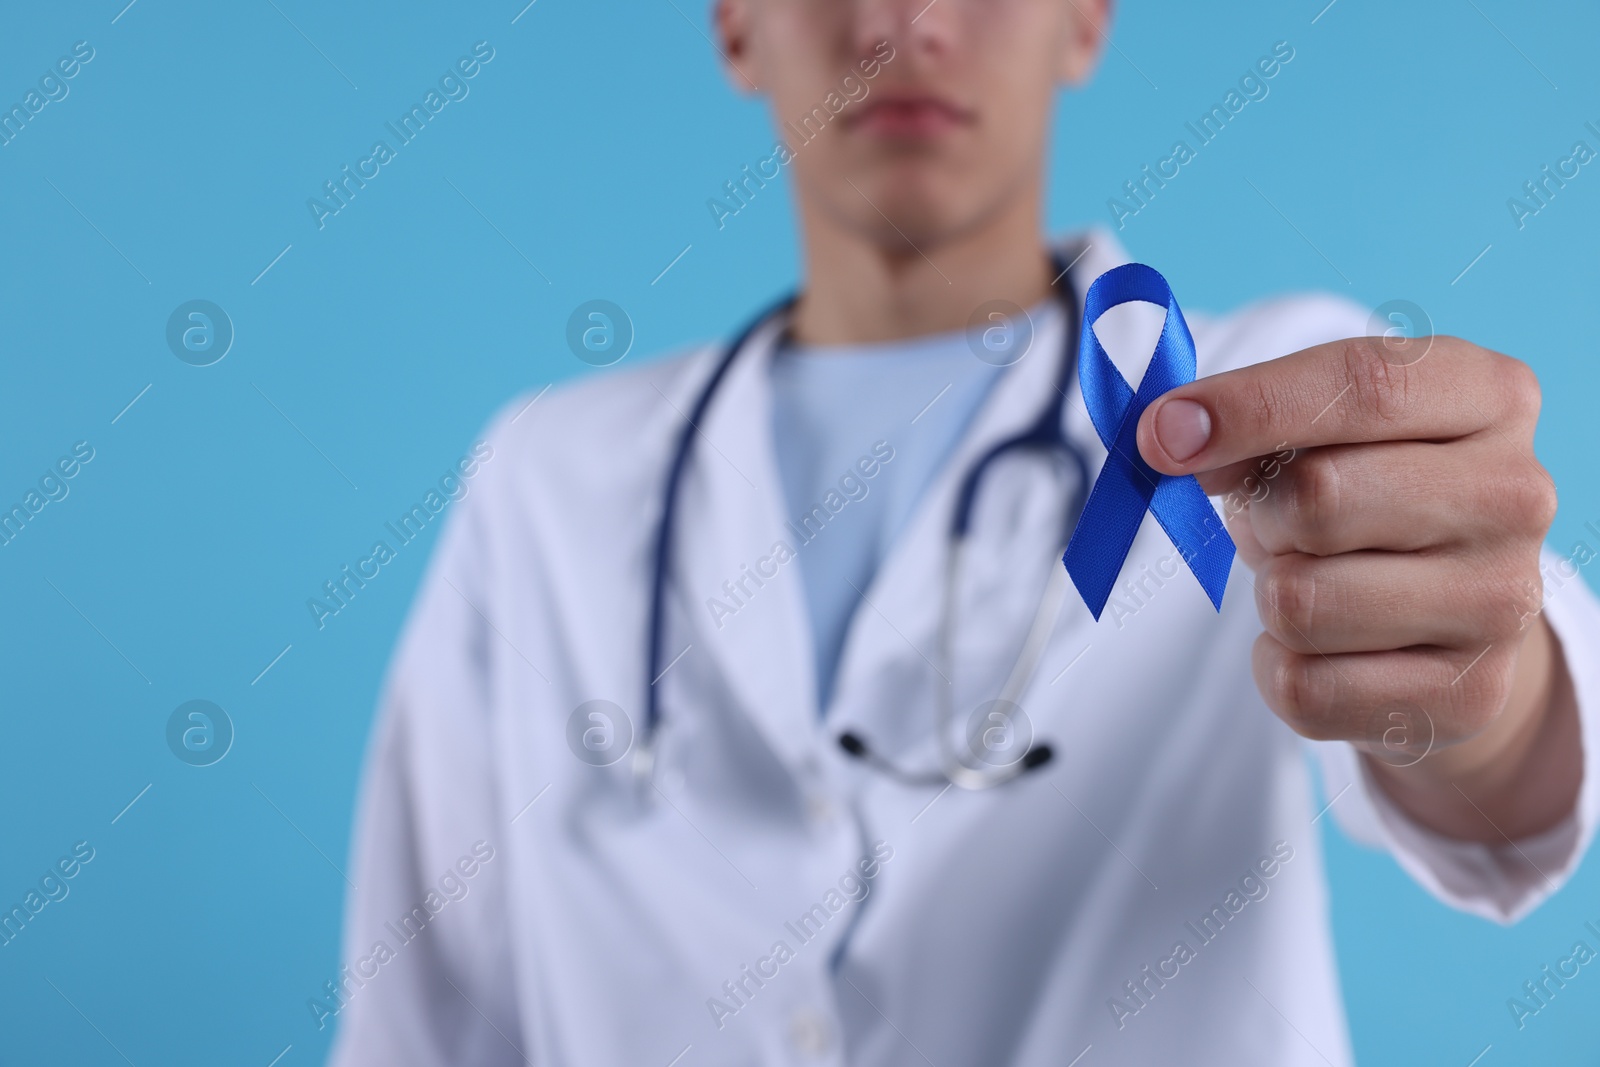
(1045,436)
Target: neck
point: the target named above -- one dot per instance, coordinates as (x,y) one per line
(865,289)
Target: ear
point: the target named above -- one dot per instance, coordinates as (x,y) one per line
(1083,42)
(731,20)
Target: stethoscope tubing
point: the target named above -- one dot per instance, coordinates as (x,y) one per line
(1046,434)
(663,541)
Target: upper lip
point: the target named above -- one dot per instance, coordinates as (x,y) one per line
(908,98)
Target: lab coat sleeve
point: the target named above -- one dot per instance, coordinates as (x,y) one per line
(1506,881)
(427,978)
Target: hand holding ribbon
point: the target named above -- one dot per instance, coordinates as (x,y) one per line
(1396,560)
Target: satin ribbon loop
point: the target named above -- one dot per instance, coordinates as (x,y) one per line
(1127,486)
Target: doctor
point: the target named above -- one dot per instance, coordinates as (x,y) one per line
(664,769)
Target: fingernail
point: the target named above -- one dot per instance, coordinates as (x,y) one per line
(1183,427)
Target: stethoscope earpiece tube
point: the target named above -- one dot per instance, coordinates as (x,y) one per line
(857,748)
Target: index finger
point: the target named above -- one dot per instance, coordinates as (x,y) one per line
(1343,392)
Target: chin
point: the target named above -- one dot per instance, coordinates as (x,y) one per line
(912,203)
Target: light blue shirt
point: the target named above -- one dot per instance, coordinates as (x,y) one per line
(861,430)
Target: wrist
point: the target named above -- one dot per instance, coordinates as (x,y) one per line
(1519,776)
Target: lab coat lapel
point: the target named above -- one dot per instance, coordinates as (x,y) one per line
(744,601)
(890,664)
(890,669)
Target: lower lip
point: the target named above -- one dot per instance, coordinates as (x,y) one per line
(917,122)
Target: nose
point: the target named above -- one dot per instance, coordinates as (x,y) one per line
(924,27)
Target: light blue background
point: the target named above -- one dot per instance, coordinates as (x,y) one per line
(593,141)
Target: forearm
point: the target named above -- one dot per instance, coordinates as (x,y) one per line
(1517,778)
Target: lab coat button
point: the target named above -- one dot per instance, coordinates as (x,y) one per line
(819,808)
(810,1034)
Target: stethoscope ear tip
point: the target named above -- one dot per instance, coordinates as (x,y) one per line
(966,777)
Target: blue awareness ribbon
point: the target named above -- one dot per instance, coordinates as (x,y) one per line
(1127,486)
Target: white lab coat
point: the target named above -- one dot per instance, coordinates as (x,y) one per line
(1002,927)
